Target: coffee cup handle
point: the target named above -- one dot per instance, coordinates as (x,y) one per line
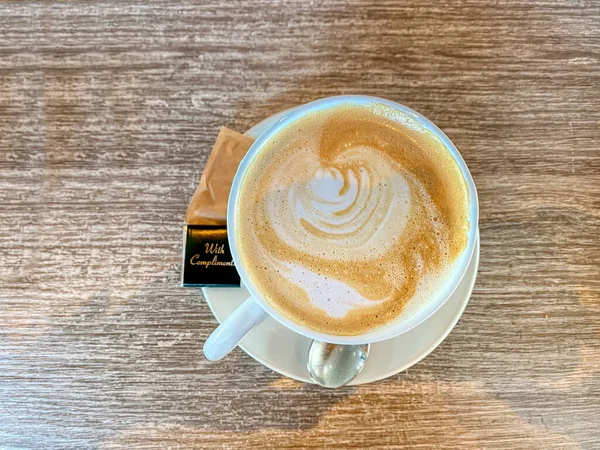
(233,329)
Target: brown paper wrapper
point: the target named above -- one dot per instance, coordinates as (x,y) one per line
(207,260)
(209,203)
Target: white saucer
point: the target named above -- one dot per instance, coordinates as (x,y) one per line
(285,352)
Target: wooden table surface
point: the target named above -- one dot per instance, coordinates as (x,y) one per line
(107,114)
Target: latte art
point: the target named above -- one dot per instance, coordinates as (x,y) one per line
(350,217)
(357,206)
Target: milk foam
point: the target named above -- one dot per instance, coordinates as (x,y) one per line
(349,225)
(332,296)
(342,212)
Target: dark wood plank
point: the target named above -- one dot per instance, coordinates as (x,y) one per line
(107,112)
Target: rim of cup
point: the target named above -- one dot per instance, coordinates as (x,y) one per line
(397,326)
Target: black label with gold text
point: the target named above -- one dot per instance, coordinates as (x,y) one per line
(207,260)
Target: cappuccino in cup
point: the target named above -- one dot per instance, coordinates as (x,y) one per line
(351,218)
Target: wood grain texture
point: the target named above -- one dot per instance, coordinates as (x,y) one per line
(107,112)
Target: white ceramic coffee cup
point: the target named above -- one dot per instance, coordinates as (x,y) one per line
(256,308)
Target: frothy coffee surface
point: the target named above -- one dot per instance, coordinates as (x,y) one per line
(350,217)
